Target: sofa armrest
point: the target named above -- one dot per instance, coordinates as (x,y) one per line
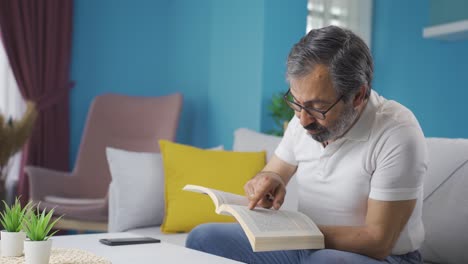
(43,182)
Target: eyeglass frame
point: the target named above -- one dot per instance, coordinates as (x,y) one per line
(307,109)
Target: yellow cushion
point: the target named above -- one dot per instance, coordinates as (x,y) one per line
(223,170)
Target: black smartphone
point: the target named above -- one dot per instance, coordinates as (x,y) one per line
(128,241)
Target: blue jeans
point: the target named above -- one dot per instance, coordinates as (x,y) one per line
(229,241)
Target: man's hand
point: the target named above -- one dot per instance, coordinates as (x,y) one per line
(266,189)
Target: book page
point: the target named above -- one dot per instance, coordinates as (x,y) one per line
(262,220)
(219,197)
(266,229)
(230,198)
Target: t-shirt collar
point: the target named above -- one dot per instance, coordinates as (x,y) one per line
(362,128)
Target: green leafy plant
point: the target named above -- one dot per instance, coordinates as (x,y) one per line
(280,112)
(37,224)
(12,217)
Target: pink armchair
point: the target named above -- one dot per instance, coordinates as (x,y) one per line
(119,121)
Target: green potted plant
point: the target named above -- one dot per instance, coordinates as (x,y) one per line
(12,221)
(281,114)
(37,226)
(14,133)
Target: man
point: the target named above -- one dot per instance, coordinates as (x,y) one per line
(359,160)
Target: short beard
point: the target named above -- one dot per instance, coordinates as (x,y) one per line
(337,129)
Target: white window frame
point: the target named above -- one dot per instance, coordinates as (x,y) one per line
(355,15)
(12,105)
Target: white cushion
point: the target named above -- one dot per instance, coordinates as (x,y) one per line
(136,193)
(445,157)
(249,140)
(445,209)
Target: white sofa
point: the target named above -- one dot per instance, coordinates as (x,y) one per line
(445,210)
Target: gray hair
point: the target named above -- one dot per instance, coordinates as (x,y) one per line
(344,53)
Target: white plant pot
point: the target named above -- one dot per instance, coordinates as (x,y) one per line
(12,243)
(37,252)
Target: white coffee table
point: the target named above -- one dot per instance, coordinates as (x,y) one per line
(144,253)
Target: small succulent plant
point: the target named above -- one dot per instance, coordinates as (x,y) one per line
(12,217)
(38,225)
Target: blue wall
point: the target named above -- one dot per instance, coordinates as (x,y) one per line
(447,11)
(226,57)
(285,24)
(189,65)
(235,68)
(216,50)
(428,76)
(117,47)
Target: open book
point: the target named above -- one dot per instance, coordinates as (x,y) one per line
(266,229)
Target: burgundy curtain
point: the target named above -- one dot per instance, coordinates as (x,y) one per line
(37,38)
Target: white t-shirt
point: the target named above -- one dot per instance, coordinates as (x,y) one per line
(382,157)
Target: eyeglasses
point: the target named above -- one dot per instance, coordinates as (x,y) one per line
(315,113)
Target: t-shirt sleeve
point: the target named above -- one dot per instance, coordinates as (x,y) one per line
(285,149)
(401,164)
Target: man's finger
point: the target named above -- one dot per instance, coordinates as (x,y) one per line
(279,199)
(255,198)
(259,191)
(249,191)
(265,203)
(252,204)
